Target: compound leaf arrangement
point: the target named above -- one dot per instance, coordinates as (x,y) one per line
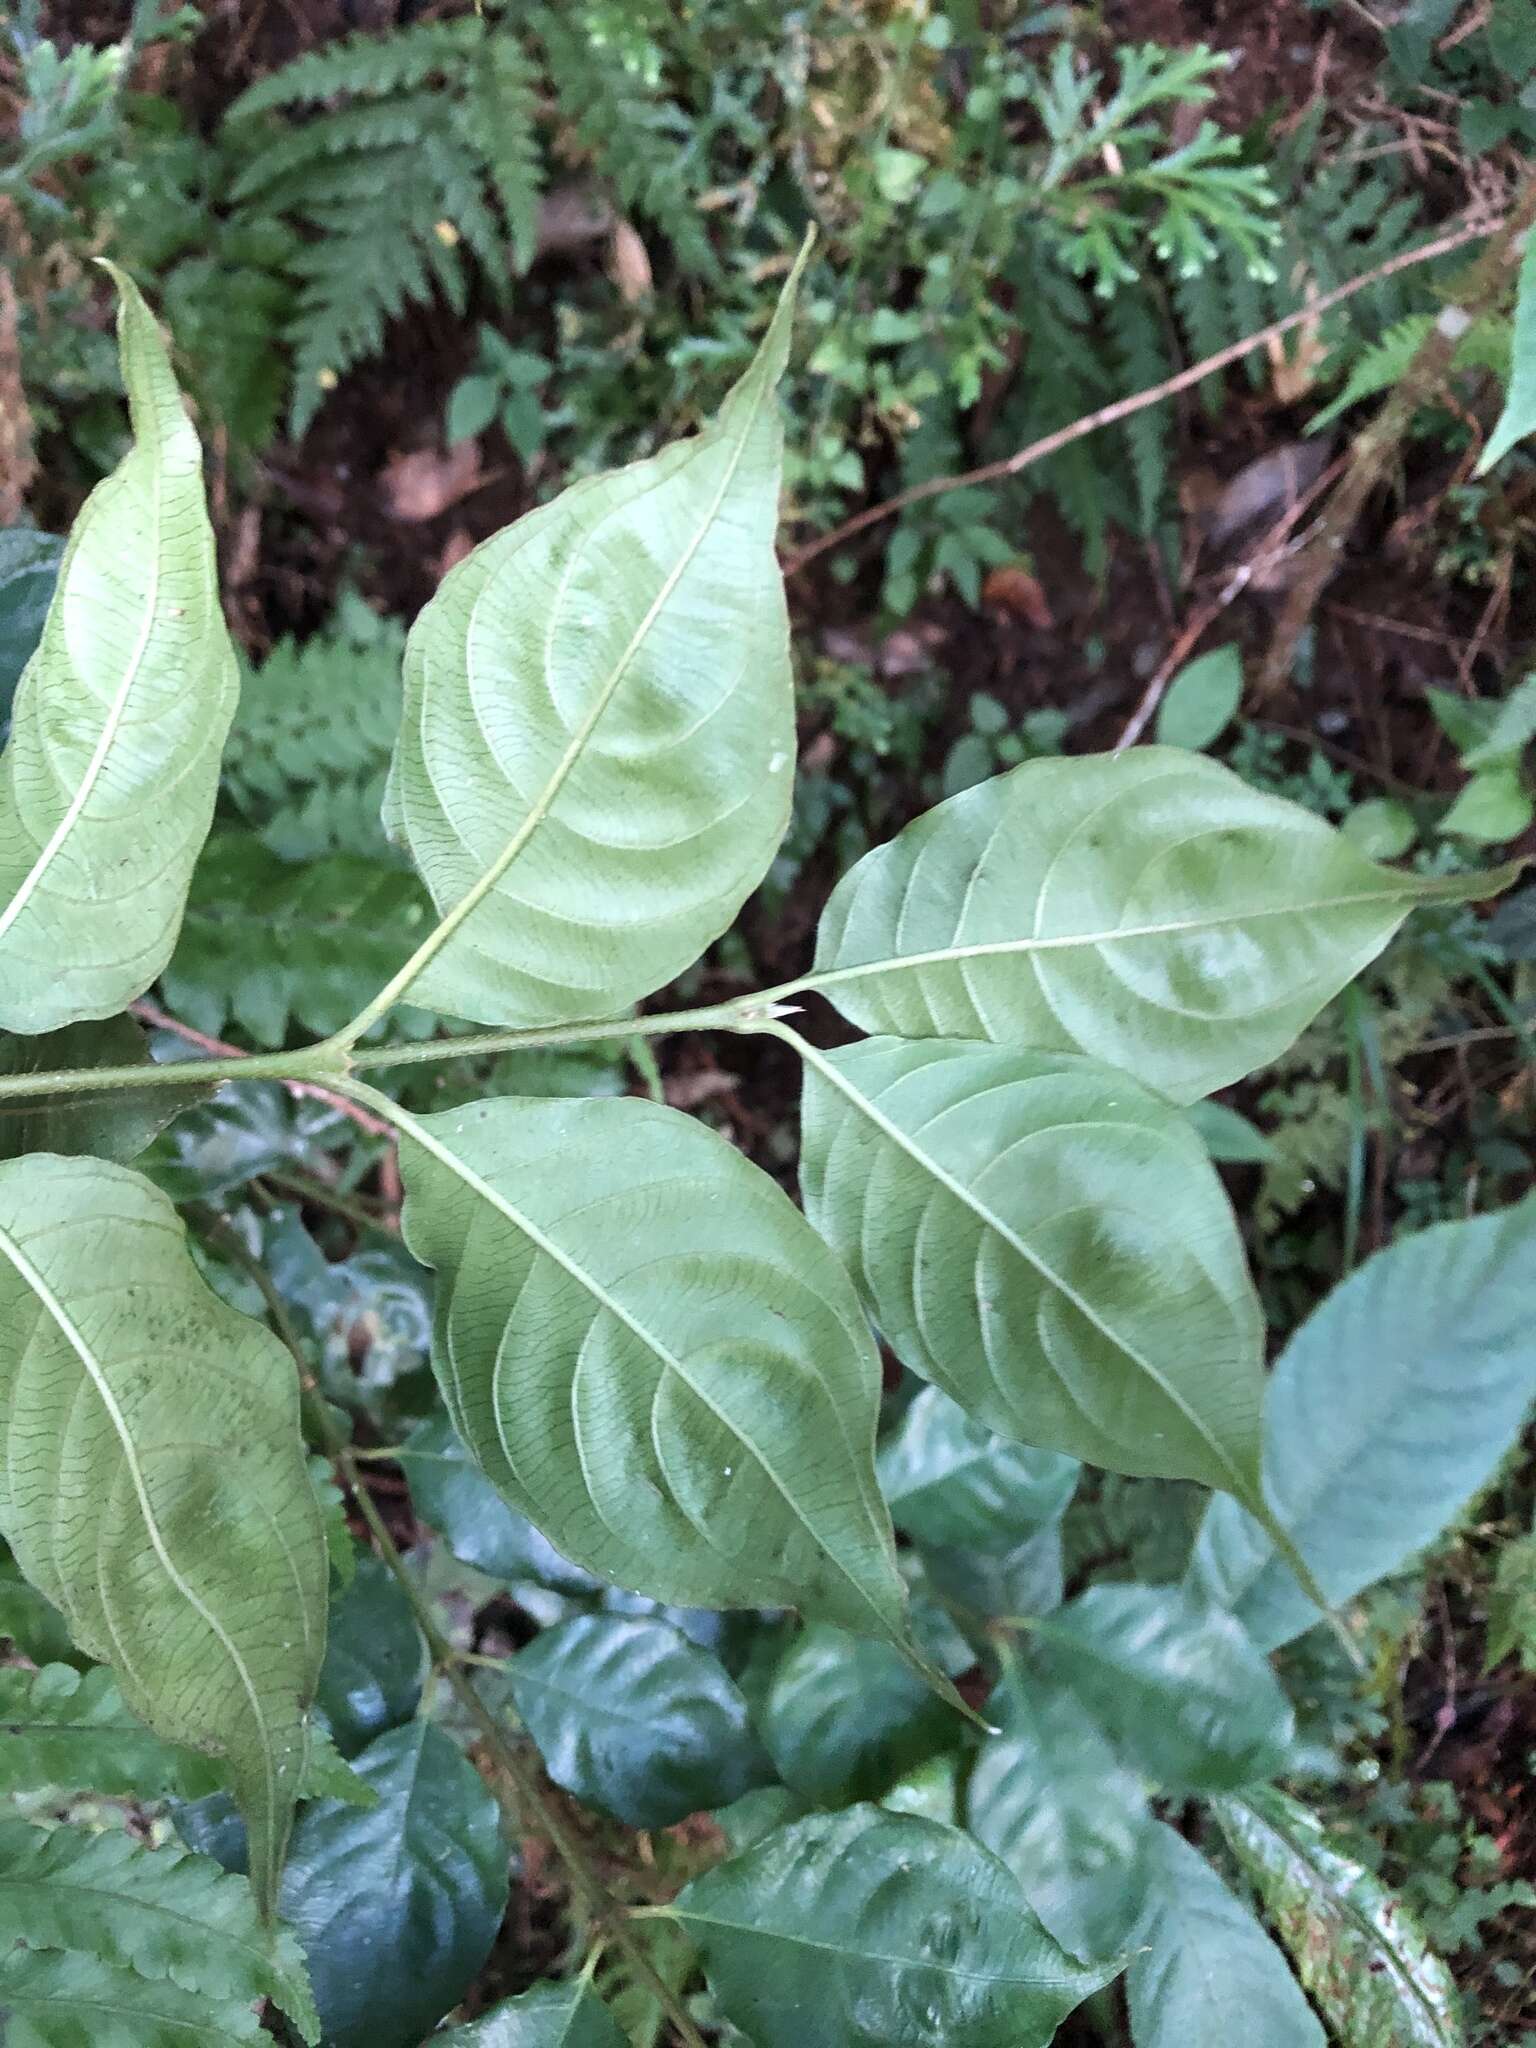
(658,1374)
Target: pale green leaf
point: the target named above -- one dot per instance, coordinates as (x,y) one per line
(1204,1969)
(1147,908)
(161,1914)
(1511,731)
(1177,1686)
(865,1929)
(652,1355)
(1519,415)
(633,1718)
(155,1486)
(569,2015)
(108,781)
(948,1481)
(1049,1243)
(1049,1798)
(1382,827)
(1356,1948)
(115,1125)
(595,763)
(1492,808)
(1202,700)
(1386,1413)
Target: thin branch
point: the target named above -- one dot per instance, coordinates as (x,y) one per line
(527,1798)
(161,1020)
(1123,408)
(1271,546)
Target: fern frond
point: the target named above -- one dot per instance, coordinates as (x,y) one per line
(365,66)
(1135,326)
(266,946)
(354,282)
(1379,368)
(634,142)
(102,1914)
(306,756)
(349,132)
(71,1730)
(499,117)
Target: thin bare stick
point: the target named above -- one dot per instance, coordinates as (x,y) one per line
(1123,408)
(1374,447)
(1263,555)
(161,1020)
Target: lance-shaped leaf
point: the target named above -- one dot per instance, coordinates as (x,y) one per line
(652,1354)
(865,1929)
(154,1483)
(569,2015)
(594,766)
(948,1481)
(1046,1241)
(108,780)
(634,1719)
(1179,1689)
(1147,908)
(1386,1413)
(161,1915)
(1358,1951)
(1204,1969)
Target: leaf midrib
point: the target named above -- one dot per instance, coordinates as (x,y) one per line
(896,1136)
(412,1128)
(73,1336)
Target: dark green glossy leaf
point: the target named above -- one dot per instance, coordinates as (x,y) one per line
(693,1408)
(1366,1466)
(34,1625)
(450,1492)
(371,1678)
(155,1486)
(1046,1241)
(844,1717)
(116,1125)
(569,2015)
(108,780)
(1050,1799)
(865,1929)
(1146,908)
(634,1719)
(1204,1969)
(1356,1948)
(151,1914)
(1177,1686)
(397,1906)
(29,568)
(948,1481)
(1000,1585)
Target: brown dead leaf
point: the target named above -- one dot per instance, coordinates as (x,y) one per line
(426,482)
(629,264)
(1011,588)
(18,464)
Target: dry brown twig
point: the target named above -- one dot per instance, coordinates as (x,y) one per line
(1123,408)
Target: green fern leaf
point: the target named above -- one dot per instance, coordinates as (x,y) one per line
(500,120)
(349,132)
(366,65)
(1382,365)
(99,1918)
(71,1731)
(267,946)
(1136,330)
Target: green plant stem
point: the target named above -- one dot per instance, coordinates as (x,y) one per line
(527,1799)
(328,1063)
